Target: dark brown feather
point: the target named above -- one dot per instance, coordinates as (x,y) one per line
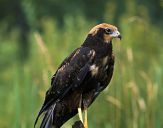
(82,75)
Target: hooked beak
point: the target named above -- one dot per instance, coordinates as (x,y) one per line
(120,37)
(116,34)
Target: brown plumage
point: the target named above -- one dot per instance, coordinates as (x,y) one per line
(81,77)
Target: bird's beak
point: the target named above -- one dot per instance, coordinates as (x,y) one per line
(120,37)
(116,34)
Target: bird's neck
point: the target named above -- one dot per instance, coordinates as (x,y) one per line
(101,48)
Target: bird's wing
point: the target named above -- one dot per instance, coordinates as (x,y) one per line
(66,60)
(70,75)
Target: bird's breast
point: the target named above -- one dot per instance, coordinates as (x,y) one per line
(100,66)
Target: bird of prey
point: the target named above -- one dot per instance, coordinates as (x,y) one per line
(80,78)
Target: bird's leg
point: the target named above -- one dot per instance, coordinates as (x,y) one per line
(85,114)
(80,114)
(85,119)
(79,110)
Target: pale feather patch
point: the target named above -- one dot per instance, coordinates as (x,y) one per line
(77,52)
(104,61)
(63,67)
(95,29)
(106,68)
(94,70)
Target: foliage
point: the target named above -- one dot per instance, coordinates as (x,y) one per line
(133,99)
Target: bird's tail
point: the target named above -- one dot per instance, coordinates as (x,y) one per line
(47,121)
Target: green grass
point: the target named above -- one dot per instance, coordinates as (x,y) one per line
(133,99)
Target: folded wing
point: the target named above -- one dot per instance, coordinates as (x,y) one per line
(67,78)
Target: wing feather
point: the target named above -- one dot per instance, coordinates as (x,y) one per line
(69,76)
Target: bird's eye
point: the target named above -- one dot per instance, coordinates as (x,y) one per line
(108,31)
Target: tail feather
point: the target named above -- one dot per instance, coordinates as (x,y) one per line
(39,114)
(47,121)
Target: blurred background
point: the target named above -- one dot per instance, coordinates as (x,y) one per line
(35,37)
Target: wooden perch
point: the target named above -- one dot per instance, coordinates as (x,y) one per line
(78,124)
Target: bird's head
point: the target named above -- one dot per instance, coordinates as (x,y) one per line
(106,32)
